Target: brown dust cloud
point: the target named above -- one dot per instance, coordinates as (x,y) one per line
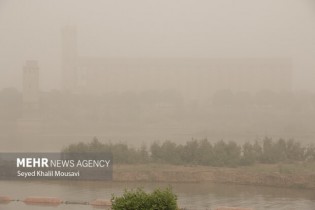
(142,71)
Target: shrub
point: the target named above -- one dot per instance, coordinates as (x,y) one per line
(140,200)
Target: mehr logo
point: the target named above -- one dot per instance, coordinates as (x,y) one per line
(32,162)
(52,166)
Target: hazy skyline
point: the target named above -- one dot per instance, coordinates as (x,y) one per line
(140,28)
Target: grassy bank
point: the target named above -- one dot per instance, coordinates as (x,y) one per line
(297,175)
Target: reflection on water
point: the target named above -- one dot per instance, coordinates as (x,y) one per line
(190,195)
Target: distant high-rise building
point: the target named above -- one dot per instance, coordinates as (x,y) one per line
(30,120)
(194,78)
(31,86)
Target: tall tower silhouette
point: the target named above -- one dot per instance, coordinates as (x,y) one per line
(30,88)
(69,58)
(30,121)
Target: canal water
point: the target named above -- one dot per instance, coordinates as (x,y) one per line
(194,196)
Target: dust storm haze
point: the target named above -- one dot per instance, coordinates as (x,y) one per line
(138,71)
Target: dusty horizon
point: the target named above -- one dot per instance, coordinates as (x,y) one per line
(164,70)
(31,30)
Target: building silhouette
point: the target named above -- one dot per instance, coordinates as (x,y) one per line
(194,78)
(30,120)
(30,87)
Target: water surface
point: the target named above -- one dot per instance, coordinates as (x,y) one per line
(190,195)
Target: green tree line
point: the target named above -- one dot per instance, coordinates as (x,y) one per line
(203,152)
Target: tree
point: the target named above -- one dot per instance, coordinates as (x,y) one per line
(220,155)
(268,155)
(249,155)
(205,153)
(190,152)
(156,153)
(294,151)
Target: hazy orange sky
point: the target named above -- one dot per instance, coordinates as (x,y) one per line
(30,29)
